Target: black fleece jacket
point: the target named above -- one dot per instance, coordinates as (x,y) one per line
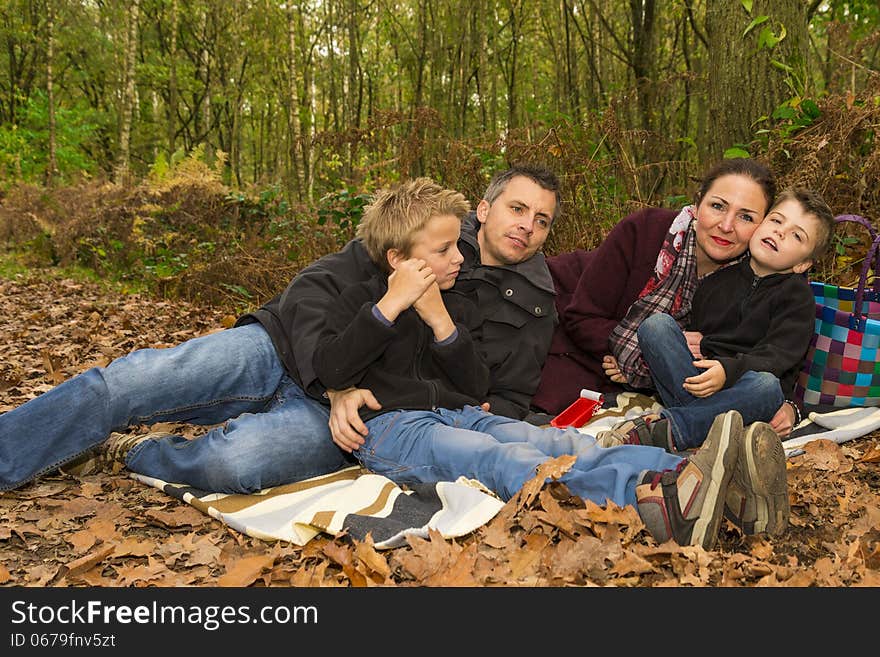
(750,322)
(402,364)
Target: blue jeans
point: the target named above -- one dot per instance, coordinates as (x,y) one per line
(273,434)
(756,395)
(430,446)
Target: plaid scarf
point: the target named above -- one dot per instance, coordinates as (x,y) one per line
(669,290)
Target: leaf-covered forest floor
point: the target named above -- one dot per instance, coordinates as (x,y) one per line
(106,529)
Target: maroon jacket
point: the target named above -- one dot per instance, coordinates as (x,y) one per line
(594,290)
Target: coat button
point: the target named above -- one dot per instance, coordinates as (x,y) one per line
(508,292)
(538,310)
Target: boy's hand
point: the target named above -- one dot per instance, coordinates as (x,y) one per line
(346,426)
(612,369)
(405,285)
(432,310)
(783,421)
(693,339)
(708,382)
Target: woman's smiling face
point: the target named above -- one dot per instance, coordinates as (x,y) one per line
(727,215)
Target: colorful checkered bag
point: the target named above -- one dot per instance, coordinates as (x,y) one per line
(841,367)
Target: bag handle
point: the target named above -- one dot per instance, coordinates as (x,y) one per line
(870,257)
(859,318)
(841,218)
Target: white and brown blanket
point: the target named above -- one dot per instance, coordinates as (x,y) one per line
(357,502)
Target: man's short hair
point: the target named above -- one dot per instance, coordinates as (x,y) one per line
(813,204)
(538,174)
(396,213)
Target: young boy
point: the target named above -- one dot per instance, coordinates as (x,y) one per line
(413,341)
(751,324)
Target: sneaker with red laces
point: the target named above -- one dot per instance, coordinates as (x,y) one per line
(757,498)
(686,504)
(651,429)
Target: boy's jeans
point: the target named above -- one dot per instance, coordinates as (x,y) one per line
(756,395)
(503,454)
(274,434)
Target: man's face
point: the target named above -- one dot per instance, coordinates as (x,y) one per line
(516,224)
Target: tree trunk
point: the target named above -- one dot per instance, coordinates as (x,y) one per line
(643,55)
(52,167)
(128,95)
(293,135)
(171,124)
(743,83)
(307,108)
(513,64)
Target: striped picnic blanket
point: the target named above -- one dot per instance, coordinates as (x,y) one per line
(356,502)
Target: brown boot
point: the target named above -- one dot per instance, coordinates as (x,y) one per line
(686,504)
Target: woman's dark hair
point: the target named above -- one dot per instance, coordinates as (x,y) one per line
(741,166)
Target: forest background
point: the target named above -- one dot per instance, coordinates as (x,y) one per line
(207,149)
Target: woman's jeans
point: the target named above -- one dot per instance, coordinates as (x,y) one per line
(273,433)
(756,395)
(431,446)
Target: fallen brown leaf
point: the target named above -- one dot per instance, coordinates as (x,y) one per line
(182,515)
(82,541)
(872,455)
(246,569)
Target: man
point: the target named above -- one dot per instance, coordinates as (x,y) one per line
(503,265)
(252,380)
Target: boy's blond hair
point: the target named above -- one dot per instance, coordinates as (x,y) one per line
(397,213)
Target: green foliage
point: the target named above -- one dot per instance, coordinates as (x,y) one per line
(165,263)
(795,114)
(343,208)
(160,169)
(758,20)
(24,146)
(238,290)
(787,120)
(736,151)
(767,39)
(842,243)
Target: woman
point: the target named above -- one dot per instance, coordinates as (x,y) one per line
(650,262)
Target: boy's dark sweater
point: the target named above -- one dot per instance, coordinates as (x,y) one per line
(755,323)
(402,364)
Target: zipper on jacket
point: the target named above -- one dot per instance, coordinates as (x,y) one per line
(435,395)
(756,281)
(417,359)
(421,345)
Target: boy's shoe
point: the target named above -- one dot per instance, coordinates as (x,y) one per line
(687,504)
(118,445)
(85,464)
(651,429)
(757,498)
